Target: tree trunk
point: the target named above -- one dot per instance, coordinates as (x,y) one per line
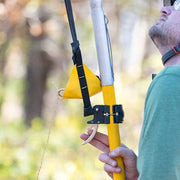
(38,68)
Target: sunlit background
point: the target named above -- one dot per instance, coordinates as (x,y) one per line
(39,132)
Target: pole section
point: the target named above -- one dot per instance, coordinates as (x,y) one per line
(106,75)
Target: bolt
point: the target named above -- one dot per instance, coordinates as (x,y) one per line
(106,114)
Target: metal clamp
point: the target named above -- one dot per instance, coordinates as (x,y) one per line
(99,112)
(102,114)
(118,113)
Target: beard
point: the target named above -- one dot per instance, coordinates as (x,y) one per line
(157,36)
(163,36)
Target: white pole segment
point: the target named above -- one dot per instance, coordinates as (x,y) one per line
(97,13)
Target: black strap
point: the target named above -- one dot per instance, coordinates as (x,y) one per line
(175,50)
(77,59)
(71,19)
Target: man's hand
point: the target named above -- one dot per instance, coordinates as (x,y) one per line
(101,142)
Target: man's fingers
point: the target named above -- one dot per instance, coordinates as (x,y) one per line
(123,152)
(96,143)
(84,136)
(100,145)
(111,169)
(110,165)
(100,137)
(107,160)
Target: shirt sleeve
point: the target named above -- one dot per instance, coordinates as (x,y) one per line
(159,146)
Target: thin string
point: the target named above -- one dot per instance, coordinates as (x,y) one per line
(47,140)
(44,152)
(109,43)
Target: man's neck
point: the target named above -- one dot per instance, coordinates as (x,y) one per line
(175,60)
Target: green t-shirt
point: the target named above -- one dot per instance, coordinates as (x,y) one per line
(159,146)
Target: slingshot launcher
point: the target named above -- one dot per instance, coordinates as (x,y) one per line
(83,83)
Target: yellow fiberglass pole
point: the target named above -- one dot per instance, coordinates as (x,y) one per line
(113,129)
(106,75)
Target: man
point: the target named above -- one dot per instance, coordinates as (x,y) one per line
(159,146)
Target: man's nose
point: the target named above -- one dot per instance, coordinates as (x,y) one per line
(166,10)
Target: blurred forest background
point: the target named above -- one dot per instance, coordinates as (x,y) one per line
(35,52)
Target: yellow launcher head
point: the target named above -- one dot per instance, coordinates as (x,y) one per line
(73,90)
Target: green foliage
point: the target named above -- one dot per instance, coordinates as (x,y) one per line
(22,151)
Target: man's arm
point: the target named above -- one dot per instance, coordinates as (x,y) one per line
(101,142)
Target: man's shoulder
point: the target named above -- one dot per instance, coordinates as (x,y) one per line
(167,79)
(165,86)
(170,71)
